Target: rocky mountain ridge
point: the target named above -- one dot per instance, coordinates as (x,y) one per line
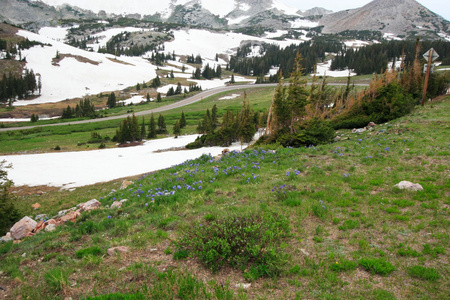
(404,18)
(400,17)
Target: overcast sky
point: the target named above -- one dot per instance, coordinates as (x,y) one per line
(440,7)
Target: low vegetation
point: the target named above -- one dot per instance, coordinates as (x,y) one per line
(320,222)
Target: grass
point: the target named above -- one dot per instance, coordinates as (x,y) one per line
(369,237)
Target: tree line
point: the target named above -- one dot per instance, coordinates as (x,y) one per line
(376,58)
(12,87)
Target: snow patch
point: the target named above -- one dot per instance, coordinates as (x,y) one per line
(303,23)
(74,169)
(233,96)
(54,33)
(324,69)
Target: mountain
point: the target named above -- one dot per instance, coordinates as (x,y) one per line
(399,17)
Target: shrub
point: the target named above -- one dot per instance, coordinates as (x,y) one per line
(8,212)
(344,265)
(57,279)
(313,132)
(423,273)
(377,266)
(349,224)
(95,251)
(250,241)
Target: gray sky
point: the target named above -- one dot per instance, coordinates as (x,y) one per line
(440,7)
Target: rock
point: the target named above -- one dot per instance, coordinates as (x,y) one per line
(90,205)
(22,228)
(120,249)
(6,238)
(382,130)
(36,206)
(225,151)
(407,185)
(123,200)
(49,222)
(69,217)
(371,124)
(217,158)
(116,204)
(50,228)
(304,252)
(126,184)
(39,226)
(337,139)
(62,213)
(245,286)
(41,217)
(359,130)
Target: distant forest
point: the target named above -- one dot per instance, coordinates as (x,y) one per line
(365,60)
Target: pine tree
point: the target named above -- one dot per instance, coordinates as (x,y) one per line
(297,94)
(158,98)
(111,103)
(182,120)
(177,129)
(232,81)
(152,128)
(8,213)
(161,125)
(214,117)
(147,97)
(142,129)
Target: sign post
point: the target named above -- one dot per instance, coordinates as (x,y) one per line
(430,56)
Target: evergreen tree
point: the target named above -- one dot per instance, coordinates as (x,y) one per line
(161,125)
(111,103)
(214,117)
(232,81)
(297,94)
(142,129)
(152,128)
(182,120)
(176,129)
(179,89)
(147,97)
(158,97)
(8,213)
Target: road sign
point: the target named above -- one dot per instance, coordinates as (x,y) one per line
(425,66)
(433,53)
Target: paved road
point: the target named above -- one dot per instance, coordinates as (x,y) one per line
(177,104)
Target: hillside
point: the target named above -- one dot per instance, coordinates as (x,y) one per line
(407,18)
(334,225)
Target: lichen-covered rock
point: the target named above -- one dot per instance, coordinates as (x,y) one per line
(50,228)
(126,184)
(116,204)
(90,205)
(22,228)
(407,185)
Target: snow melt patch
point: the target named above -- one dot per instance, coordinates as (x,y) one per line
(391,37)
(72,78)
(54,33)
(324,69)
(74,169)
(303,23)
(356,43)
(105,36)
(232,96)
(134,100)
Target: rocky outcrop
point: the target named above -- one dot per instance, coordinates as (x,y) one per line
(23,228)
(407,185)
(399,17)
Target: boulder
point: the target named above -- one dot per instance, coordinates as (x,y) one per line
(36,206)
(126,184)
(90,205)
(407,185)
(359,130)
(120,249)
(49,222)
(6,238)
(39,226)
(371,124)
(22,228)
(116,204)
(50,228)
(69,217)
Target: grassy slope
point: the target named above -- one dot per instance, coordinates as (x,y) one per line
(353,178)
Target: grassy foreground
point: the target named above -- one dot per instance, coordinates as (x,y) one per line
(347,232)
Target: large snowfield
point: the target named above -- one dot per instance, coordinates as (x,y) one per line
(85,73)
(74,169)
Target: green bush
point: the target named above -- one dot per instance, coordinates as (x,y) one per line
(57,279)
(344,265)
(349,224)
(250,241)
(8,212)
(423,273)
(95,251)
(313,132)
(377,266)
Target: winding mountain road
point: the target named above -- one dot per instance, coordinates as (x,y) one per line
(177,104)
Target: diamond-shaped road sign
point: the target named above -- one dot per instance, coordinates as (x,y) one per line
(433,53)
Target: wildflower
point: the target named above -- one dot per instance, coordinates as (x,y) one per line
(387,148)
(287,173)
(109,217)
(146,204)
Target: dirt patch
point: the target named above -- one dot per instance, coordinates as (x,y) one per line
(57,60)
(119,61)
